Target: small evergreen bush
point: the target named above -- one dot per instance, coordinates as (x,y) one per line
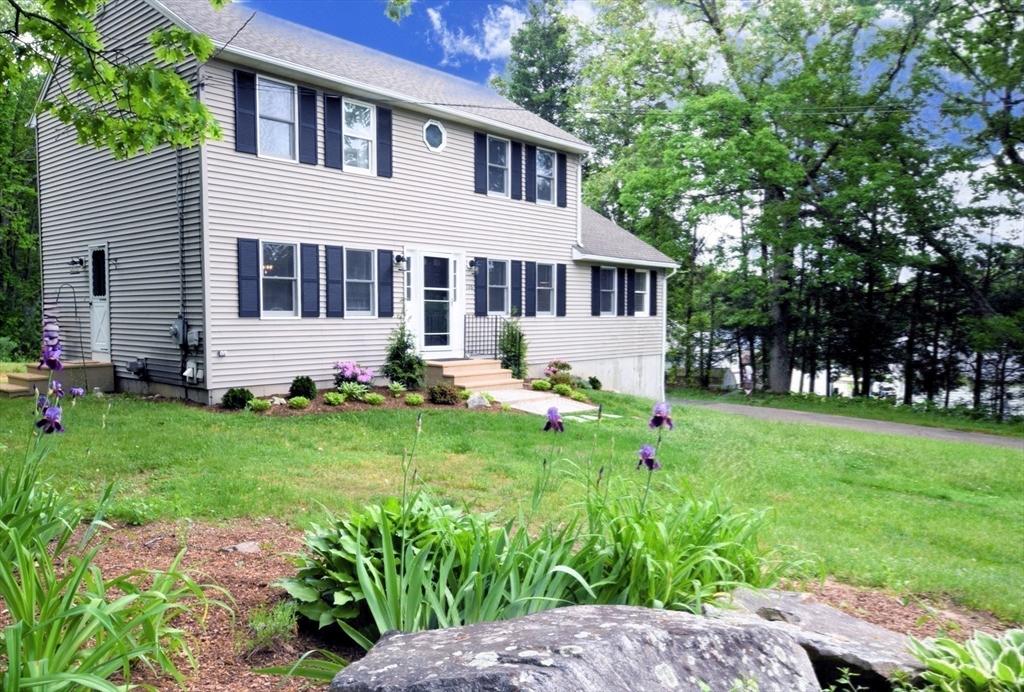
(402,363)
(259,405)
(541,385)
(594,382)
(303,386)
(374,399)
(579,383)
(562,390)
(444,394)
(236,398)
(413,399)
(334,399)
(298,402)
(512,348)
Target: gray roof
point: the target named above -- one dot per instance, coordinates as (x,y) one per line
(604,238)
(302,46)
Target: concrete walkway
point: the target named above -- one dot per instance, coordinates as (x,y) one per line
(862,424)
(538,403)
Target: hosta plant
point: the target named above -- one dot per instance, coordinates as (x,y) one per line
(258,405)
(981,664)
(353,391)
(298,402)
(413,399)
(334,399)
(374,399)
(396,389)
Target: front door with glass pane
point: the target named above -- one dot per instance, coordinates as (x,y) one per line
(437,303)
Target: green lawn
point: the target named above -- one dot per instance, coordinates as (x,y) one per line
(905,513)
(874,409)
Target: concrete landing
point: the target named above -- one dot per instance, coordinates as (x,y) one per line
(538,403)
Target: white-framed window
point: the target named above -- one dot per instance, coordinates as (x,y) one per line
(434,135)
(358,135)
(608,280)
(545,176)
(640,293)
(276,110)
(279,291)
(545,289)
(497,166)
(497,287)
(360,282)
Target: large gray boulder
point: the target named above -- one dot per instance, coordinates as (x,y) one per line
(831,638)
(585,649)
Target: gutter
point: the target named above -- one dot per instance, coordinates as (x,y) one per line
(581,255)
(664,327)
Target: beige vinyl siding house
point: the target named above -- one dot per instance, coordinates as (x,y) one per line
(280,240)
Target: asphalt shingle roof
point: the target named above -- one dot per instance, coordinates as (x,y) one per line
(604,238)
(305,47)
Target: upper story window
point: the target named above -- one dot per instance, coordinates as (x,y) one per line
(608,291)
(359,282)
(640,293)
(279,279)
(545,289)
(276,113)
(434,135)
(545,176)
(497,166)
(497,287)
(358,136)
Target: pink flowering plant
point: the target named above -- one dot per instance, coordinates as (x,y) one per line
(556,366)
(351,371)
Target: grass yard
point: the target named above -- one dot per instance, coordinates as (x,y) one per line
(10,367)
(873,409)
(909,514)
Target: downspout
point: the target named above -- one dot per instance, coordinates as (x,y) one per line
(669,273)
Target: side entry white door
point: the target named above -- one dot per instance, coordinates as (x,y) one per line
(99,303)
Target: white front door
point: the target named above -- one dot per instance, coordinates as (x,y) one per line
(438,302)
(99,303)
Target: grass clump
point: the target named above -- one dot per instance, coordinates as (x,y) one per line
(413,399)
(298,402)
(269,628)
(236,398)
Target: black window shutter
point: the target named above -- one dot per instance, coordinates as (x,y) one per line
(307,126)
(560,280)
(245,112)
(385,283)
(531,289)
(248,278)
(620,292)
(310,261)
(332,131)
(335,260)
(480,287)
(630,295)
(517,170)
(562,182)
(531,173)
(595,291)
(654,292)
(516,286)
(480,163)
(383,142)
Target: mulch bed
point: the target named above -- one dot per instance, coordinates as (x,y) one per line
(248,578)
(318,405)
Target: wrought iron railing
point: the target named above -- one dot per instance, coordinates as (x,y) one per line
(495,336)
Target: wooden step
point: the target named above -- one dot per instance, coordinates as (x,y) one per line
(27,379)
(10,391)
(471,370)
(450,365)
(483,382)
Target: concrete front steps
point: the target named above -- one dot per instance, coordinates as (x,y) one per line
(88,375)
(474,374)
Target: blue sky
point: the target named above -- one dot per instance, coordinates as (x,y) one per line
(465,37)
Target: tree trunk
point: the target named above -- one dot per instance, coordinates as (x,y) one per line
(908,363)
(780,374)
(979,362)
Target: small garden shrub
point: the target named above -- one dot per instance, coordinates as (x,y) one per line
(259,405)
(981,664)
(490,399)
(579,383)
(334,399)
(562,390)
(269,628)
(512,348)
(396,389)
(236,398)
(303,386)
(557,366)
(402,363)
(413,399)
(353,391)
(374,399)
(541,385)
(443,393)
(560,378)
(351,371)
(594,382)
(298,402)
(577,396)
(506,407)
(464,394)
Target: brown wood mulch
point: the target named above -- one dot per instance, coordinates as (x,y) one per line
(318,405)
(248,577)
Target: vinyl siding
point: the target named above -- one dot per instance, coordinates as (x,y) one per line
(86,197)
(429,203)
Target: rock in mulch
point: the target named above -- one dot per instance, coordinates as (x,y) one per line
(584,649)
(831,638)
(243,547)
(478,401)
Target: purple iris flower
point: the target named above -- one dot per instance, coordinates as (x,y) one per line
(76,392)
(50,357)
(51,420)
(57,388)
(42,402)
(647,459)
(661,416)
(554,421)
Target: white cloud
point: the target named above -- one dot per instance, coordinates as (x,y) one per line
(490,39)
